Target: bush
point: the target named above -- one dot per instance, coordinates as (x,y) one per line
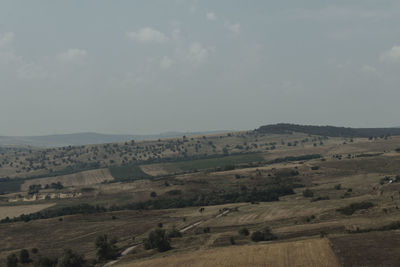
(263,235)
(157,239)
(308,193)
(338,186)
(71,259)
(106,249)
(12,260)
(244,231)
(320,198)
(153,194)
(174,233)
(45,262)
(34,250)
(349,210)
(232,240)
(24,256)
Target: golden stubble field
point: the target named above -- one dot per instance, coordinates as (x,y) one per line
(311,253)
(14,211)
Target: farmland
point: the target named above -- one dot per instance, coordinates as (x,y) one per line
(317,195)
(312,252)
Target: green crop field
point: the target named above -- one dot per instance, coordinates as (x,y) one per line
(219,162)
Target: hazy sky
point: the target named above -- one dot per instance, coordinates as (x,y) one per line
(152,66)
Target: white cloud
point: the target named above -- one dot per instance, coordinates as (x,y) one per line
(6,38)
(211,16)
(198,53)
(233,27)
(392,55)
(73,55)
(147,35)
(166,63)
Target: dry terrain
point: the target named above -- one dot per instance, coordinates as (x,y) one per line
(311,253)
(14,211)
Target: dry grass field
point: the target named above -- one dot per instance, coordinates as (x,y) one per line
(14,211)
(311,253)
(77,179)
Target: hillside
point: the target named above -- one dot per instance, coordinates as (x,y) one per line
(78,139)
(331,131)
(333,200)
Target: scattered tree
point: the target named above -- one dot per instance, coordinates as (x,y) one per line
(12,260)
(71,259)
(157,239)
(244,231)
(24,256)
(106,249)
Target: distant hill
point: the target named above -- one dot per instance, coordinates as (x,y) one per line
(332,131)
(78,139)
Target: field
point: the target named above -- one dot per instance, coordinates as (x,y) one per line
(77,179)
(312,253)
(14,211)
(368,249)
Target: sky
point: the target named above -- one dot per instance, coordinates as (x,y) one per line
(143,67)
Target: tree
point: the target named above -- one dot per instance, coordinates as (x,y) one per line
(244,231)
(263,235)
(45,262)
(153,194)
(24,256)
(12,260)
(157,239)
(71,259)
(308,193)
(174,233)
(106,249)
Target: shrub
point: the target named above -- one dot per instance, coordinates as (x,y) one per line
(308,193)
(71,259)
(106,249)
(338,186)
(320,198)
(45,262)
(232,240)
(12,260)
(244,231)
(174,233)
(350,209)
(263,235)
(34,250)
(257,236)
(153,194)
(157,239)
(24,256)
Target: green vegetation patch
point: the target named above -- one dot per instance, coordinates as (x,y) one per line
(128,173)
(8,185)
(226,162)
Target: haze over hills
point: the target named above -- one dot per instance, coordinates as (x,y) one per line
(77,139)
